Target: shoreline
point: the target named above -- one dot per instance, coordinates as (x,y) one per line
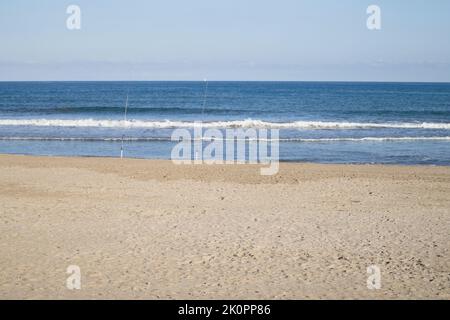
(149,229)
(362,164)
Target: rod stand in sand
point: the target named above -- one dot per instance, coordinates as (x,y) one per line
(121,149)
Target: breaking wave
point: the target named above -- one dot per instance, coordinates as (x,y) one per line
(143,139)
(249,123)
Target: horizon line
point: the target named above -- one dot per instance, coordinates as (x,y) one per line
(200,80)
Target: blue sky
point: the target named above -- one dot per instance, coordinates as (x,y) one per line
(225,40)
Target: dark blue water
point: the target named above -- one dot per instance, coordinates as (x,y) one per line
(400,123)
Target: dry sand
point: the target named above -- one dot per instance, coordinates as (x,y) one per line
(154,230)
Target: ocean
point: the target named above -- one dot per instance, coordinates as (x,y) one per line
(324,122)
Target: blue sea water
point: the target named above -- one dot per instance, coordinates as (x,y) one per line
(328,122)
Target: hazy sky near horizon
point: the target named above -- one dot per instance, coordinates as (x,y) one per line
(225,40)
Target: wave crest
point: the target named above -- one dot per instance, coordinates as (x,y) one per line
(249,123)
(149,139)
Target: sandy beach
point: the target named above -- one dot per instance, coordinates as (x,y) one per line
(150,229)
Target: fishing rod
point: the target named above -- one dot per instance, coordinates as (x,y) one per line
(205,92)
(204,96)
(125,121)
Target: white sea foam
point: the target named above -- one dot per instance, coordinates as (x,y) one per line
(142,139)
(371,139)
(249,123)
